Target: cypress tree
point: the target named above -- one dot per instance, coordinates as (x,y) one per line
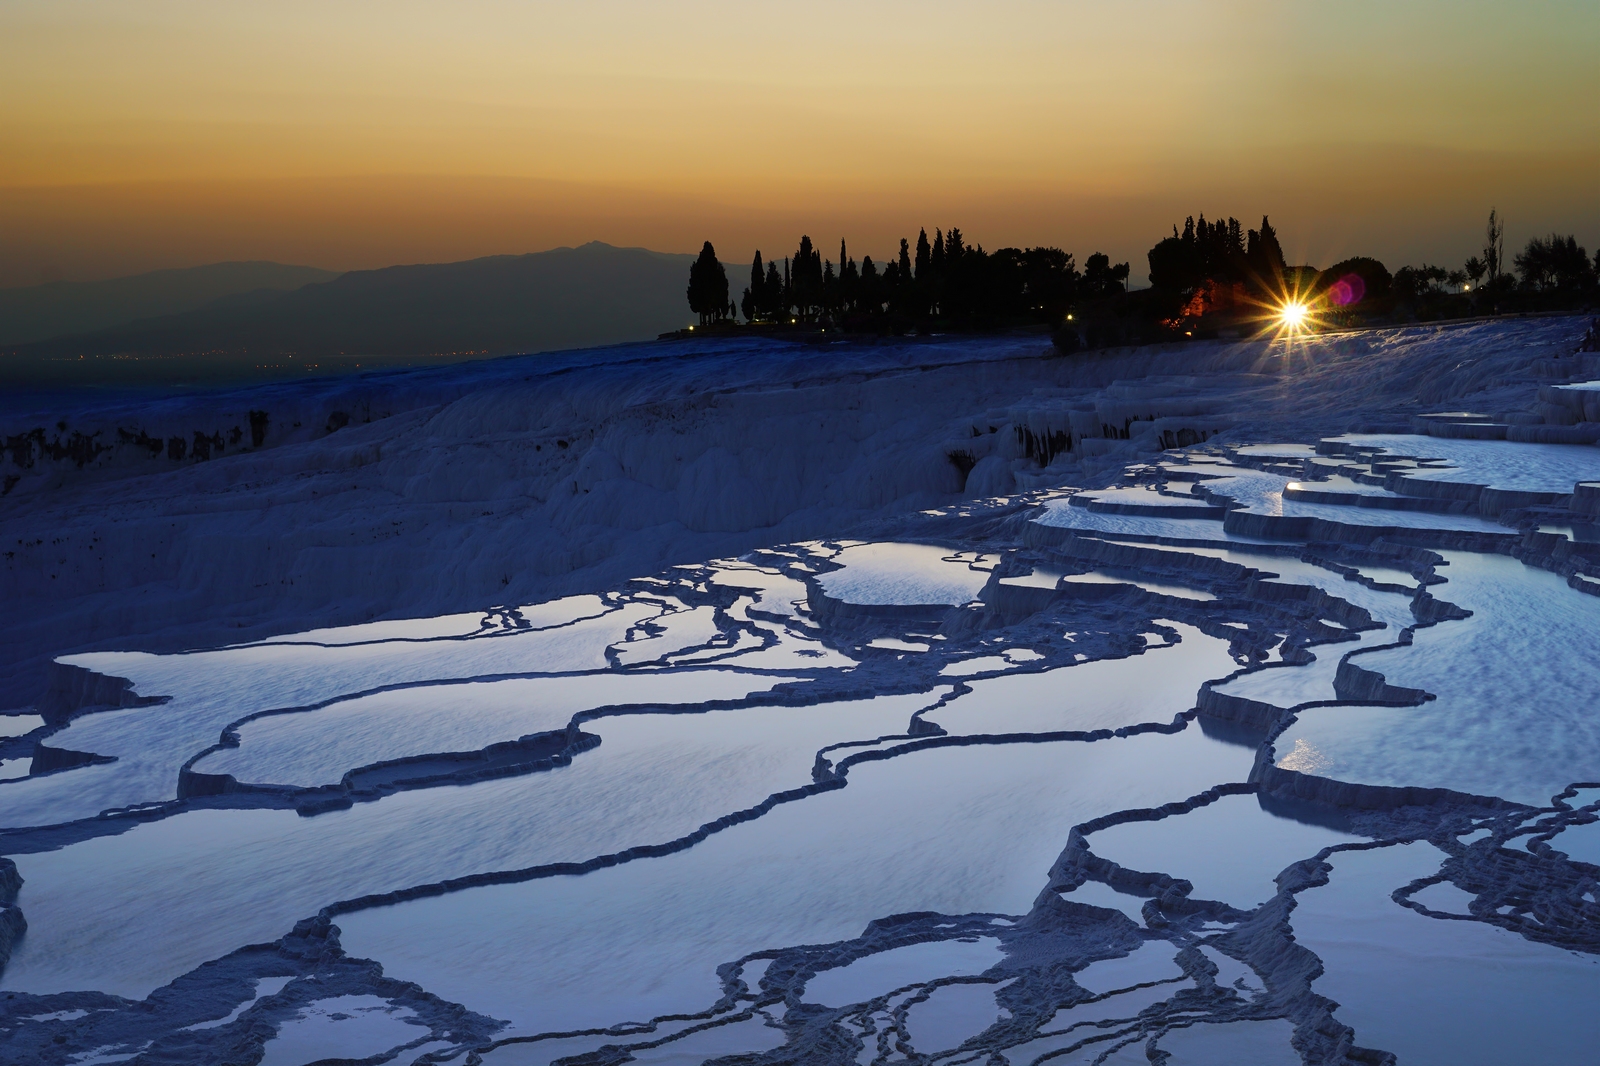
(868,293)
(1271,252)
(758,279)
(708,286)
(772,306)
(807,279)
(924,254)
(754,303)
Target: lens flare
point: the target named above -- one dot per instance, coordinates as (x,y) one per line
(1348,290)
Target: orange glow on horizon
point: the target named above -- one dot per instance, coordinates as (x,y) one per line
(350,134)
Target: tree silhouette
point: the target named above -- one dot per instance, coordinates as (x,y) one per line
(1050,282)
(708,286)
(1100,278)
(1205,251)
(869,290)
(1413,283)
(1201,280)
(1494,246)
(772,303)
(806,281)
(849,283)
(752,303)
(1264,257)
(1555,262)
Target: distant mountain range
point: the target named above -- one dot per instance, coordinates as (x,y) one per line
(69,307)
(564,298)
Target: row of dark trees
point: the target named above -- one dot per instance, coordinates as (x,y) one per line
(1217,252)
(1208,276)
(1216,274)
(1555,265)
(945,281)
(1550,270)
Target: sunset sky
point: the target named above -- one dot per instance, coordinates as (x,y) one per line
(137,134)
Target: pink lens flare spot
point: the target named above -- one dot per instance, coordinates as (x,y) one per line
(1347,290)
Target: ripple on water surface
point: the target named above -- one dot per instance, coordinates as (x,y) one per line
(1515,686)
(955,830)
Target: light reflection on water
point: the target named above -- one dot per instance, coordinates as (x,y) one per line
(1515,685)
(100,912)
(1438,991)
(953,830)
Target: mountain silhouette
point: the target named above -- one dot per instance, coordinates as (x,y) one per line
(39,312)
(564,298)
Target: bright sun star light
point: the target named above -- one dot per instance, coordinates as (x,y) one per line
(1293,315)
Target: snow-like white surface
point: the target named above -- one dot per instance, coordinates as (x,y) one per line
(634,534)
